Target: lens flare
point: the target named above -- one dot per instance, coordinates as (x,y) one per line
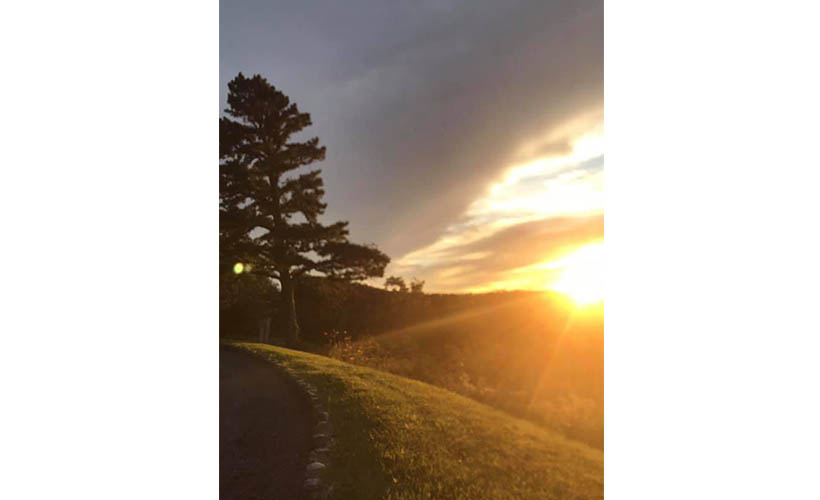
(238,268)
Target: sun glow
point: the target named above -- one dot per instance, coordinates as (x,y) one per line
(580,274)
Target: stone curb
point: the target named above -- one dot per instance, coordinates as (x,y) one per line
(314,487)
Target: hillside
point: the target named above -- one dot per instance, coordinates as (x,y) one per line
(533,355)
(403,439)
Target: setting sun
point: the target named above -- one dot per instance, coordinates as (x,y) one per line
(581,274)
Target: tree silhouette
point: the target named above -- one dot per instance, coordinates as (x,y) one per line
(395,283)
(416,285)
(269,220)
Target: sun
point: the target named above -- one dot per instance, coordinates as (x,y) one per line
(580,274)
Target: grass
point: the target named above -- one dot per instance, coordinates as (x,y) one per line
(398,438)
(534,357)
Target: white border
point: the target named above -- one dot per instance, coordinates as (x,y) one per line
(109,186)
(109,358)
(711,233)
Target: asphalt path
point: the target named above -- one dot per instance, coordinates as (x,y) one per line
(264,431)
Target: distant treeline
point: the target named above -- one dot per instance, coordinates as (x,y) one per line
(328,307)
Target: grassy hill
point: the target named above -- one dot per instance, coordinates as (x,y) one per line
(535,356)
(532,354)
(402,439)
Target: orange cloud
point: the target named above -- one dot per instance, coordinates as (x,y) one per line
(491,261)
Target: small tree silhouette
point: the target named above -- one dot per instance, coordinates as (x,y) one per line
(416,285)
(395,284)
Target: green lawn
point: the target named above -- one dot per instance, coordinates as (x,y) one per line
(397,438)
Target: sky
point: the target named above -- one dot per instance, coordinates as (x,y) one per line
(464,138)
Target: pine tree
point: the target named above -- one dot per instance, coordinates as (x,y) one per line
(269,219)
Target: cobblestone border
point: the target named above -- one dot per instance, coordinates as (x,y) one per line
(314,487)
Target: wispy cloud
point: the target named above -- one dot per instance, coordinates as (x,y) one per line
(539,209)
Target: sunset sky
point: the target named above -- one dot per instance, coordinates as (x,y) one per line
(465,139)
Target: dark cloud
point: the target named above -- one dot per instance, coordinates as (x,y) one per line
(421,104)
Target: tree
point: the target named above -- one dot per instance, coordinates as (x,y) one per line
(416,285)
(395,283)
(270,219)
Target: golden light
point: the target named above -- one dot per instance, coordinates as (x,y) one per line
(581,274)
(238,268)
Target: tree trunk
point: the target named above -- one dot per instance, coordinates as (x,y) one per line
(289,313)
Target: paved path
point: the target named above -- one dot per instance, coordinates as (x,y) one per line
(264,431)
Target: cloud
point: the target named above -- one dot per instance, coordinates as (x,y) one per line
(447,122)
(535,211)
(492,258)
(422,105)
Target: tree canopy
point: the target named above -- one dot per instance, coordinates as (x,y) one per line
(395,283)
